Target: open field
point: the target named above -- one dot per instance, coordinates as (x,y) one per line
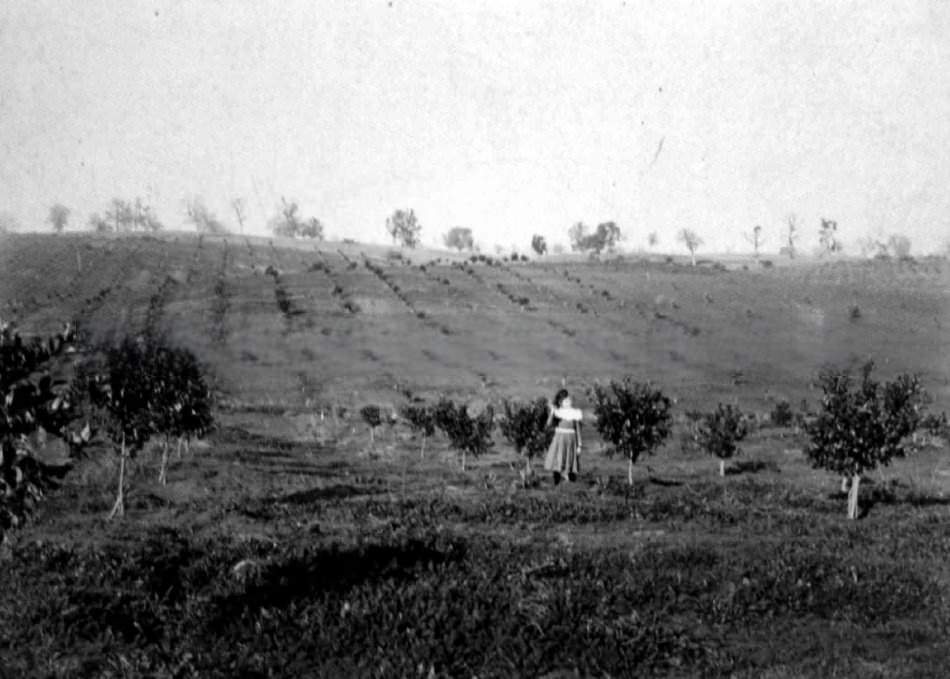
(286,545)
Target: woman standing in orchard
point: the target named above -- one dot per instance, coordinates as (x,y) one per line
(564,452)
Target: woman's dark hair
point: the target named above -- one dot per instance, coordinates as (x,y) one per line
(559,397)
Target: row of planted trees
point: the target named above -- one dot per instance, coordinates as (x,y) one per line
(861,424)
(123,395)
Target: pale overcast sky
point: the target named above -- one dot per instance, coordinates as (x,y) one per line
(512,118)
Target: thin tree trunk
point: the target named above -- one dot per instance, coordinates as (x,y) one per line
(422,449)
(372,436)
(630,471)
(463,460)
(179,449)
(844,484)
(118,509)
(722,467)
(163,472)
(853,497)
(528,471)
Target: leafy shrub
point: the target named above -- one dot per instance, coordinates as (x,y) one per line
(524,426)
(468,435)
(33,395)
(633,417)
(854,312)
(371,416)
(936,425)
(782,414)
(720,431)
(860,426)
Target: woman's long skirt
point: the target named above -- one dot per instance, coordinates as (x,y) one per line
(562,454)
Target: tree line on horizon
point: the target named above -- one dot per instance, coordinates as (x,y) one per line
(403,227)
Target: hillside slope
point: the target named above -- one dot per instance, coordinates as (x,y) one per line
(323,327)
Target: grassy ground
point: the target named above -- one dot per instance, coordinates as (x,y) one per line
(285,545)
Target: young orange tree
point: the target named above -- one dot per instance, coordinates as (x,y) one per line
(720,431)
(632,417)
(468,435)
(182,397)
(862,424)
(421,419)
(123,394)
(524,425)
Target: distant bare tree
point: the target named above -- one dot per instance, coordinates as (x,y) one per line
(653,239)
(691,240)
(460,238)
(204,220)
(791,234)
(58,216)
(872,247)
(828,237)
(311,228)
(134,215)
(99,224)
(604,237)
(240,212)
(755,238)
(403,226)
(577,234)
(289,224)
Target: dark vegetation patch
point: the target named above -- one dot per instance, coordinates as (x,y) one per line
(402,603)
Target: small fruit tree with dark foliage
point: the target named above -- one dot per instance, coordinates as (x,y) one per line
(862,424)
(782,414)
(632,417)
(122,391)
(182,396)
(524,426)
(141,388)
(468,435)
(35,396)
(720,431)
(371,416)
(421,419)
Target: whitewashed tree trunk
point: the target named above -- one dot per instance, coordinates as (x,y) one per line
(853,497)
(179,449)
(163,472)
(118,509)
(422,449)
(722,467)
(463,460)
(844,484)
(630,471)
